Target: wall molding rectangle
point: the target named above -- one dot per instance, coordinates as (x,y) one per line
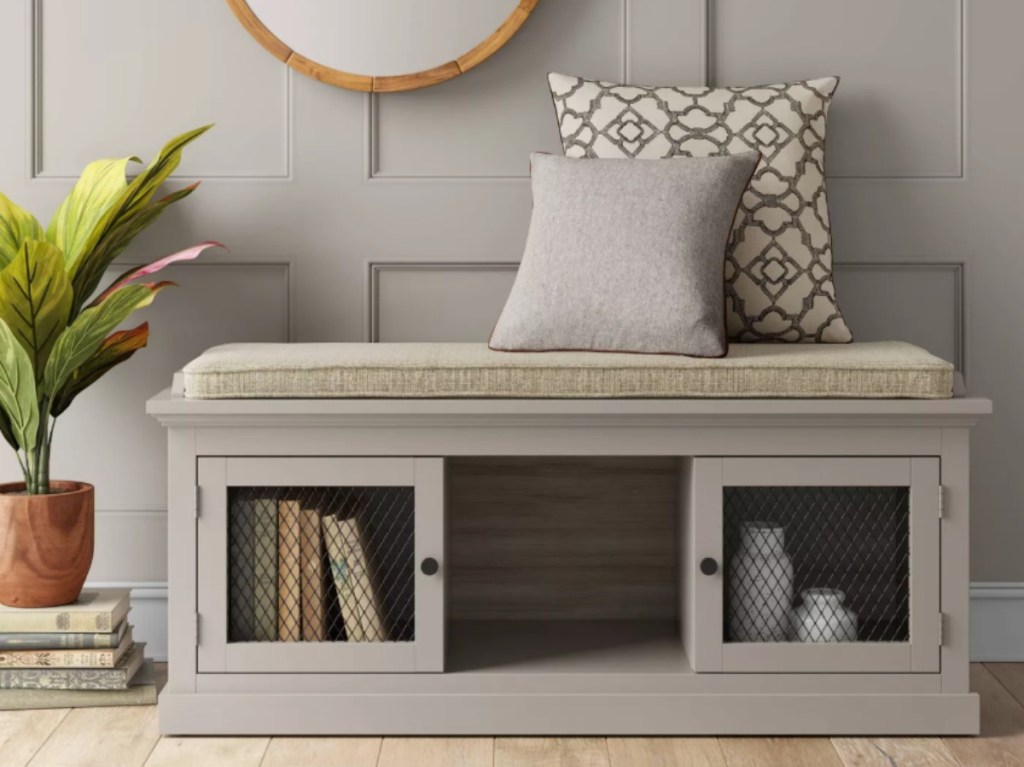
(958,299)
(371,132)
(376,269)
(207,263)
(961,101)
(34,35)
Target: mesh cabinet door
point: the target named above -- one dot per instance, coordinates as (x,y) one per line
(320,565)
(823,565)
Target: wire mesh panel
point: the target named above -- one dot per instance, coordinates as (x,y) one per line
(817,564)
(326,564)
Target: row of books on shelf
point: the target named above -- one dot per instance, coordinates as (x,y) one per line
(293,569)
(81,654)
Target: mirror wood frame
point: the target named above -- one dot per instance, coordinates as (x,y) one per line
(390,83)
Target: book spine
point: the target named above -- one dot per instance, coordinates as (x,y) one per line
(51,641)
(289,622)
(342,575)
(60,622)
(134,695)
(362,579)
(63,679)
(266,544)
(314,626)
(58,659)
(241,619)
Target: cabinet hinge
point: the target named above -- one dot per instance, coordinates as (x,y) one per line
(195,500)
(942,629)
(197,628)
(942,501)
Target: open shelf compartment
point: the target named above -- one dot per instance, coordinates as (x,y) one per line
(564,565)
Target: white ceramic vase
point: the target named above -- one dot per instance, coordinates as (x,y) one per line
(823,617)
(760,585)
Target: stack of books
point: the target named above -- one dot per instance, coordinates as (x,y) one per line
(289,564)
(77,655)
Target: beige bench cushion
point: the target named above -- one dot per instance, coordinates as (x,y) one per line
(327,370)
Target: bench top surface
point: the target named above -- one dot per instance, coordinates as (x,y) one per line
(874,370)
(169,406)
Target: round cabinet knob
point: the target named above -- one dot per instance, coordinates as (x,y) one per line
(708,566)
(429,566)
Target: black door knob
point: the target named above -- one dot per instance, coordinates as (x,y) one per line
(708,566)
(429,566)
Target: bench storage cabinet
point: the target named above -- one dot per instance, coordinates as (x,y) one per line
(261,519)
(568,566)
(861,533)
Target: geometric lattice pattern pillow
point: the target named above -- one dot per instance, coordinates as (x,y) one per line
(778,267)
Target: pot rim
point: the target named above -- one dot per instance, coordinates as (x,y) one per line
(824,594)
(66,487)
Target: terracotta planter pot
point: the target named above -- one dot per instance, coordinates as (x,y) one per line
(45,544)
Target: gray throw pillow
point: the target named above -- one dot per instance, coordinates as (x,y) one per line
(625,256)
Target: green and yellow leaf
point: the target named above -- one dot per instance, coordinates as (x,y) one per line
(86,333)
(18,395)
(6,430)
(133,211)
(35,299)
(114,350)
(91,270)
(16,226)
(100,188)
(144,187)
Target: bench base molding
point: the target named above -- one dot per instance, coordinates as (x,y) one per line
(560,714)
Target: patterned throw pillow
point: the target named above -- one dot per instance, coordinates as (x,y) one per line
(778,268)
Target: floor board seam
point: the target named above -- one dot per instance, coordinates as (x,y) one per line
(45,740)
(266,750)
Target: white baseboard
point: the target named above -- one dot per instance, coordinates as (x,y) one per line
(997,619)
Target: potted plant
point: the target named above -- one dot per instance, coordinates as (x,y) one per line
(57,337)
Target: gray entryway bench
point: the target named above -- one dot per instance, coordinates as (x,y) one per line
(386,538)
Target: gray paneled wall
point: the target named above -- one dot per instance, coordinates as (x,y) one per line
(312,186)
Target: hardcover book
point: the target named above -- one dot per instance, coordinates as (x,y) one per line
(364,583)
(334,533)
(289,587)
(364,588)
(241,583)
(141,692)
(102,658)
(116,678)
(265,568)
(97,610)
(314,616)
(56,641)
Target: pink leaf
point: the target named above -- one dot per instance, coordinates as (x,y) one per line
(133,274)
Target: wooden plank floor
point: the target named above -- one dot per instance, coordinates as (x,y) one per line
(127,737)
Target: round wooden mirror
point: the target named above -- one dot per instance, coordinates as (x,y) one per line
(382,45)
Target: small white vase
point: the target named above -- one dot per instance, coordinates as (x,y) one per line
(760,585)
(823,617)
